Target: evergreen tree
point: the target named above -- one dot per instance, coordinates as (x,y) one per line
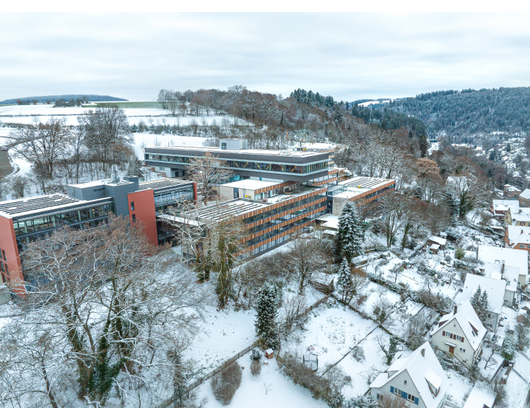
(266,326)
(508,347)
(344,282)
(480,304)
(424,145)
(349,240)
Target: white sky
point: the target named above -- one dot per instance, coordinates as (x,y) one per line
(347,55)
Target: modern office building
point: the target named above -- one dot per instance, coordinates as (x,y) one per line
(86,205)
(266,223)
(361,190)
(266,165)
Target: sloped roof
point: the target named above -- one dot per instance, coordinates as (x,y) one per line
(423,368)
(519,234)
(525,194)
(469,322)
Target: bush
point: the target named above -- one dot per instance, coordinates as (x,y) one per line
(300,374)
(358,354)
(255,355)
(225,384)
(255,368)
(459,253)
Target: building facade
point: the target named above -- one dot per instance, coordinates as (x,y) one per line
(87,205)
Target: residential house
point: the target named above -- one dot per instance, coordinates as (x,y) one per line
(506,257)
(520,218)
(524,198)
(419,379)
(511,192)
(499,207)
(517,237)
(460,334)
(496,290)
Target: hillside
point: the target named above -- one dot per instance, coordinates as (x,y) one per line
(53,98)
(464,114)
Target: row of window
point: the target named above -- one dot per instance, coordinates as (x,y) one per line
(452,336)
(281,209)
(275,232)
(58,220)
(246,165)
(404,395)
(4,269)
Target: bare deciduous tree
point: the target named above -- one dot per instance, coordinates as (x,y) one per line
(113,305)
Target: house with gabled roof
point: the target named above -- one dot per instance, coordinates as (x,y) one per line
(517,237)
(496,291)
(460,334)
(419,379)
(505,257)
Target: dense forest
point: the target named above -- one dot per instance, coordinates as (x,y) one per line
(463,114)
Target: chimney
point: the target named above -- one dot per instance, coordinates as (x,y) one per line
(454,312)
(423,352)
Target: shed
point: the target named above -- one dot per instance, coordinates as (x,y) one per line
(436,240)
(269,353)
(434,249)
(311,361)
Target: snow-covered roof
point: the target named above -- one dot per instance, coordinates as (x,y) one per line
(423,368)
(480,397)
(510,188)
(469,323)
(522,216)
(494,287)
(511,257)
(525,194)
(251,184)
(509,274)
(518,235)
(438,240)
(329,221)
(502,206)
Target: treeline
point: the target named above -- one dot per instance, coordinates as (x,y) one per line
(389,119)
(58,152)
(306,115)
(462,114)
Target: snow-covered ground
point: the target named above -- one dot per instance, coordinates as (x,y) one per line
(27,114)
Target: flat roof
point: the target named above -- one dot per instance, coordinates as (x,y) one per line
(223,210)
(216,151)
(163,183)
(251,184)
(42,204)
(366,183)
(24,205)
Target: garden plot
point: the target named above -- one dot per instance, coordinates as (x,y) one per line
(516,391)
(270,389)
(493,362)
(459,388)
(330,333)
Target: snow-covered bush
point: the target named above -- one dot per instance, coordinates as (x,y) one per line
(358,354)
(225,384)
(255,368)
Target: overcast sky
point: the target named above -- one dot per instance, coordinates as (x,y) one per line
(347,55)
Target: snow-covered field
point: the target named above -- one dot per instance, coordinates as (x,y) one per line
(27,114)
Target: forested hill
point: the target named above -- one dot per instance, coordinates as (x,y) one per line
(53,98)
(462,114)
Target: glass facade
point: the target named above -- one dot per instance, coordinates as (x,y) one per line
(28,229)
(170,198)
(250,165)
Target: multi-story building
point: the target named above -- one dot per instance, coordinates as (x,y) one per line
(28,219)
(266,223)
(360,190)
(266,165)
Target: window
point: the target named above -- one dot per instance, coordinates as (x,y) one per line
(462,350)
(453,336)
(134,218)
(223,146)
(132,205)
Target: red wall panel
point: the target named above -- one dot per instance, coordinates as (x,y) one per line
(144,211)
(8,243)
